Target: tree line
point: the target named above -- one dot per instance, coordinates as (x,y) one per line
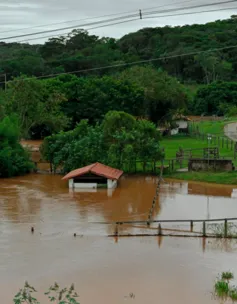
(81,51)
(48,106)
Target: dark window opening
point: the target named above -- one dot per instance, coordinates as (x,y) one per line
(90,179)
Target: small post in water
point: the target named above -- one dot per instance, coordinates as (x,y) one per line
(116,230)
(204,229)
(226,229)
(159,230)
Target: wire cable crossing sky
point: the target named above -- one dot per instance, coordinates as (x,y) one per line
(29,14)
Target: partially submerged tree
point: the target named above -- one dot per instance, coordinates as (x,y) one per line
(14,160)
(34,105)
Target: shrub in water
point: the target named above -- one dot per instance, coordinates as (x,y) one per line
(55,295)
(233,294)
(221,289)
(227,275)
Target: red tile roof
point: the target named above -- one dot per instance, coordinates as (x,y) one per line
(96,168)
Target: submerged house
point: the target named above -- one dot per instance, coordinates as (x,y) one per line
(93,176)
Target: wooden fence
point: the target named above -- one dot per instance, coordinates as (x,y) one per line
(191,222)
(216,139)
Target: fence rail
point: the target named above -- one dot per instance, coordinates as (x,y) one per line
(167,221)
(222,141)
(225,233)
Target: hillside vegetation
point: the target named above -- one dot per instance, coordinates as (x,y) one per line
(93,78)
(80,51)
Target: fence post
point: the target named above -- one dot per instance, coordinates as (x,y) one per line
(159,230)
(204,229)
(116,230)
(191,226)
(235,150)
(226,229)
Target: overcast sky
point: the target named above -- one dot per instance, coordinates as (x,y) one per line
(18,15)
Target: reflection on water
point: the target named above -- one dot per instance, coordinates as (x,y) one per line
(112,267)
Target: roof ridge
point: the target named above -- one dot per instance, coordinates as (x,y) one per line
(93,165)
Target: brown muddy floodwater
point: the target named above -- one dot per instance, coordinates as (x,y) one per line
(105,270)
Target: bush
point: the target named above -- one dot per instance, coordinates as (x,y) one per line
(210,99)
(14,160)
(120,141)
(55,295)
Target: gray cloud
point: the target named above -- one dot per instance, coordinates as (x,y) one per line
(16,14)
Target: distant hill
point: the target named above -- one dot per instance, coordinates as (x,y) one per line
(81,51)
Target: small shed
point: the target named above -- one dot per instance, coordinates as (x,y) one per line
(93,176)
(181,122)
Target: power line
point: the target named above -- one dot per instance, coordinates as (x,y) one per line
(114,19)
(92,28)
(96,17)
(130,20)
(131,63)
(70,27)
(192,13)
(191,7)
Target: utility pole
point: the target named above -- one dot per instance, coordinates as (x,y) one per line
(208,148)
(140,13)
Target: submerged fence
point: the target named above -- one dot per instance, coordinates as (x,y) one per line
(213,228)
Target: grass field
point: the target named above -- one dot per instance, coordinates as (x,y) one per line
(225,178)
(172,144)
(215,127)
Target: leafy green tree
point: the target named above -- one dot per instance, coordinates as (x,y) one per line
(214,68)
(210,99)
(34,105)
(91,98)
(115,121)
(162,92)
(14,160)
(121,146)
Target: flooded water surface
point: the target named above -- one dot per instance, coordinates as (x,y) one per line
(106,270)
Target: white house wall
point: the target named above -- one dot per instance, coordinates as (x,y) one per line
(182,124)
(174,131)
(111,184)
(73,185)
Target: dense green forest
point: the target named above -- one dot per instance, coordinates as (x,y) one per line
(79,51)
(46,96)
